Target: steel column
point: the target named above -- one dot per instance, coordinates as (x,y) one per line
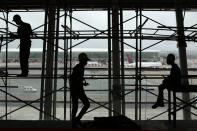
(49,63)
(116,94)
(182,57)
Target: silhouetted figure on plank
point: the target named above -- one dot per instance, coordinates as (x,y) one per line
(77,81)
(23,33)
(171,82)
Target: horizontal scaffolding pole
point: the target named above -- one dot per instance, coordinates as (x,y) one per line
(169,38)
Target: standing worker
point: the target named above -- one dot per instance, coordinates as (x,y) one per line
(77,81)
(23,33)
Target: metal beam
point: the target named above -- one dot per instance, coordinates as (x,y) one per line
(26,4)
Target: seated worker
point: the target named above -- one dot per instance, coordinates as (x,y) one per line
(170,82)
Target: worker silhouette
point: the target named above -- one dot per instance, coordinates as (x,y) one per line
(171,82)
(77,81)
(23,33)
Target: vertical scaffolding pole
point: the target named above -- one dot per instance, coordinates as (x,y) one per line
(70,14)
(122,62)
(109,62)
(136,69)
(6,65)
(116,61)
(183,58)
(140,65)
(65,65)
(43,65)
(56,62)
(49,63)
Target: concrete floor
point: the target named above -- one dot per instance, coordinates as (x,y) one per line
(159,125)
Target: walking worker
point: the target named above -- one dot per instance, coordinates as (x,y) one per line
(77,81)
(171,82)
(24,32)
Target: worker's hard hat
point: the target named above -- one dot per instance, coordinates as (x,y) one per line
(16,17)
(83,57)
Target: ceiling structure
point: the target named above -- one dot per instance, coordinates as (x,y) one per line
(125,4)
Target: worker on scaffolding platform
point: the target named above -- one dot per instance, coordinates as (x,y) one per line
(23,33)
(77,81)
(172,81)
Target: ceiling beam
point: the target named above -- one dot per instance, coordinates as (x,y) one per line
(125,4)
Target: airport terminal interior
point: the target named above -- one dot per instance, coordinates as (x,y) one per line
(127,42)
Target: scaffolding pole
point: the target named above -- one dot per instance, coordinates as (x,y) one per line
(49,62)
(136,69)
(109,62)
(70,47)
(56,62)
(6,66)
(65,65)
(122,62)
(43,65)
(183,58)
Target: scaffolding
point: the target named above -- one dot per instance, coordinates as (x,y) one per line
(115,34)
